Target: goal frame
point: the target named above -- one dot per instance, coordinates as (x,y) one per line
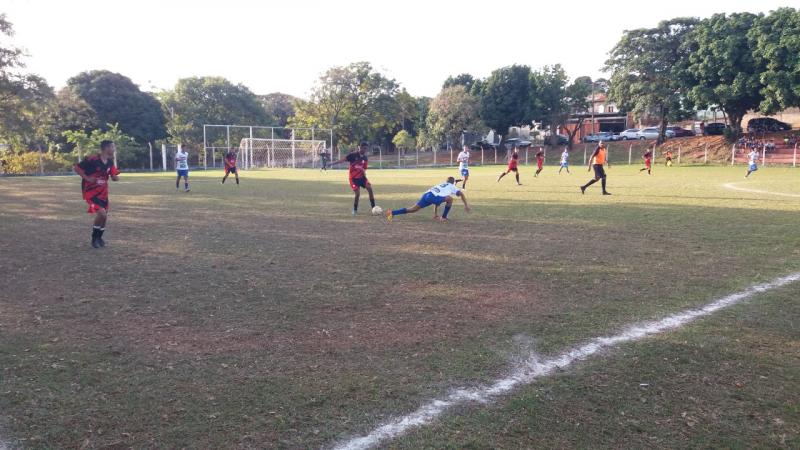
(247,160)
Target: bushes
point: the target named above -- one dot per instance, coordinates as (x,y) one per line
(30,163)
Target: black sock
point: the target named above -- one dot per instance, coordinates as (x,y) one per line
(100,233)
(589,184)
(95,232)
(237,180)
(603,183)
(372,202)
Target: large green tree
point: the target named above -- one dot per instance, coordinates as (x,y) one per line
(279,106)
(507,98)
(210,100)
(645,71)
(451,112)
(776,48)
(356,101)
(721,68)
(23,96)
(117,100)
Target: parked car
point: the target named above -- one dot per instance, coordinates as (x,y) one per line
(680,131)
(630,133)
(716,128)
(766,124)
(652,133)
(604,136)
(556,139)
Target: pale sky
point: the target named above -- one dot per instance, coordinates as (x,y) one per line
(284,46)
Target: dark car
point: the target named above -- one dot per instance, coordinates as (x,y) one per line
(766,124)
(680,131)
(715,128)
(556,139)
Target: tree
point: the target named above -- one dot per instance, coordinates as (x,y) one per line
(721,68)
(451,112)
(403,140)
(776,45)
(550,87)
(645,71)
(279,106)
(210,100)
(354,100)
(129,153)
(116,99)
(23,96)
(507,98)
(463,79)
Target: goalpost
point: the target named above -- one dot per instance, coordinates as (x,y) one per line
(267,147)
(274,153)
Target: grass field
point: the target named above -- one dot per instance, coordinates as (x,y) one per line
(265,316)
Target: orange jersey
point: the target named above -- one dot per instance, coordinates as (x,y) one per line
(600,157)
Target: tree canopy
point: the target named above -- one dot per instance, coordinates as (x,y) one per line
(507,98)
(116,99)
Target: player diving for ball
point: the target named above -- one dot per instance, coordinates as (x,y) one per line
(441,193)
(463,166)
(358,174)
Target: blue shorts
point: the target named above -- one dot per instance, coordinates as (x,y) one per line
(564,164)
(753,168)
(429,198)
(183,172)
(464,172)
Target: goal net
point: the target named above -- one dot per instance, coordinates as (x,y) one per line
(295,153)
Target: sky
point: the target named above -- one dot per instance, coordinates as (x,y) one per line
(285,46)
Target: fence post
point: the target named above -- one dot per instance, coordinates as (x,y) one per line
(794,158)
(41,166)
(380,157)
(417,157)
(482,152)
(705,154)
(544,154)
(434,156)
(495,155)
(163,157)
(526,155)
(451,156)
(630,154)
(398,156)
(150,144)
(679,154)
(764,155)
(584,154)
(733,154)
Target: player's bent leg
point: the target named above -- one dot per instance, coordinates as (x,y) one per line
(357,195)
(448,203)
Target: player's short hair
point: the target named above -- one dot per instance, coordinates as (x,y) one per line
(363,144)
(106,144)
(451,180)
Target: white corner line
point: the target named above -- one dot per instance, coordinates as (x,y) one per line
(734,187)
(535,367)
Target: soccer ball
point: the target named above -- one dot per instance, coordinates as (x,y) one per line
(377,211)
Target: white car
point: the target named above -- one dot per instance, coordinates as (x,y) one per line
(652,133)
(630,133)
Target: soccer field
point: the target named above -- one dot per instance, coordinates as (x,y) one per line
(266,316)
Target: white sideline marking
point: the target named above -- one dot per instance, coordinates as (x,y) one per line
(757,191)
(535,368)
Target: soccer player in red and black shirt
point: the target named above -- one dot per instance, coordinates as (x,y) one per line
(230,166)
(512,167)
(539,162)
(95,172)
(358,174)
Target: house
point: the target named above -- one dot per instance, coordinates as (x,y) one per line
(602,115)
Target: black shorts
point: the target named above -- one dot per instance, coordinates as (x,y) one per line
(357,183)
(599,171)
(230,170)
